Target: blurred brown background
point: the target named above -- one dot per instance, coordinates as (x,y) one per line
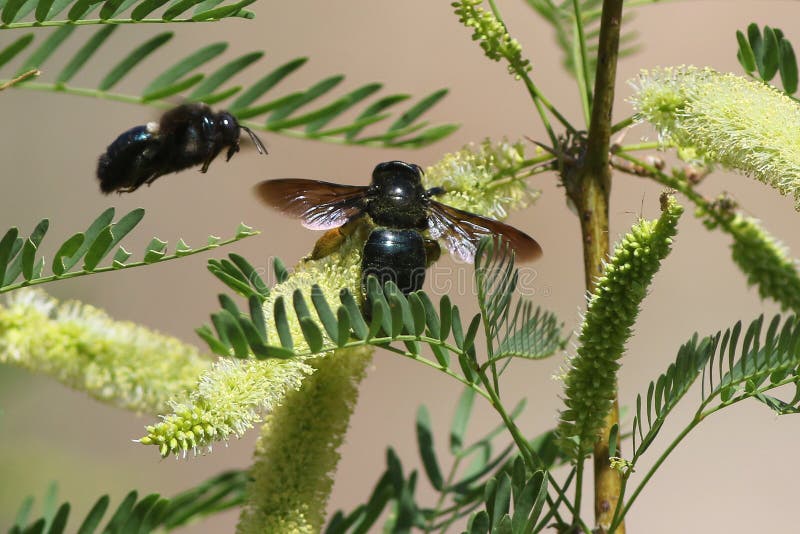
(734,474)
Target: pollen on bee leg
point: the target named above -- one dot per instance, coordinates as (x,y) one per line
(152,127)
(328,243)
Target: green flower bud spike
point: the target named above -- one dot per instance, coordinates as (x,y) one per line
(116,362)
(722,118)
(590,380)
(492,35)
(765,262)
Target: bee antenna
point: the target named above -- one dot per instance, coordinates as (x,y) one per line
(256,141)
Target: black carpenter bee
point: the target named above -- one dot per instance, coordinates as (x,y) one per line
(188,135)
(400,209)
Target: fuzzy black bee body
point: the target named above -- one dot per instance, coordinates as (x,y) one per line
(186,136)
(400,209)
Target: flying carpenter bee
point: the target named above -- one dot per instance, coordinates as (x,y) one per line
(188,135)
(400,209)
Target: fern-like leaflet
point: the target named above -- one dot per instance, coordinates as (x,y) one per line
(477,476)
(138,515)
(765,54)
(19,255)
(412,320)
(307,114)
(15,14)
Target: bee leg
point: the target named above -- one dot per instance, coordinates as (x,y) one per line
(328,243)
(333,239)
(233,149)
(432,252)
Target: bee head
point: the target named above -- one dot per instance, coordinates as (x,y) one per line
(397,179)
(227,129)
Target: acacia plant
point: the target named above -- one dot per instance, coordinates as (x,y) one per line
(290,357)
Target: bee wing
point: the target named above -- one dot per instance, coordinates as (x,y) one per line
(319,205)
(462,230)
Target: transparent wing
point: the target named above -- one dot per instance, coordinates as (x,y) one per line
(461,231)
(319,205)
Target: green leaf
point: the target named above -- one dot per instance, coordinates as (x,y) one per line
(60,520)
(90,235)
(84,54)
(431,135)
(479,523)
(502,500)
(343,333)
(10,52)
(281,274)
(222,11)
(312,334)
(418,109)
(81,8)
(42,9)
(251,275)
(745,56)
(324,312)
(374,110)
(461,419)
(212,82)
(445,317)
(282,324)
(98,249)
(109,8)
(24,512)
(788,67)
(179,7)
(11,10)
(6,245)
(46,49)
(173,74)
(317,119)
(216,346)
(130,61)
(145,8)
(28,258)
(67,250)
(312,93)
(255,91)
(174,89)
(770,55)
(357,322)
(155,250)
(376,300)
(417,313)
(426,450)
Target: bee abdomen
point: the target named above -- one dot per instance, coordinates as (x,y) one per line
(396,255)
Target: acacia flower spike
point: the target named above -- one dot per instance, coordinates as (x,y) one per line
(116,362)
(483,179)
(720,118)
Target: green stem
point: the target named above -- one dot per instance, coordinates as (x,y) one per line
(75,274)
(651,145)
(621,125)
(580,60)
(93,22)
(437,510)
(376,141)
(675,442)
(532,460)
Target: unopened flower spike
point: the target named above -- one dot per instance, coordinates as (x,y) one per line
(590,380)
(492,35)
(82,347)
(765,262)
(723,118)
